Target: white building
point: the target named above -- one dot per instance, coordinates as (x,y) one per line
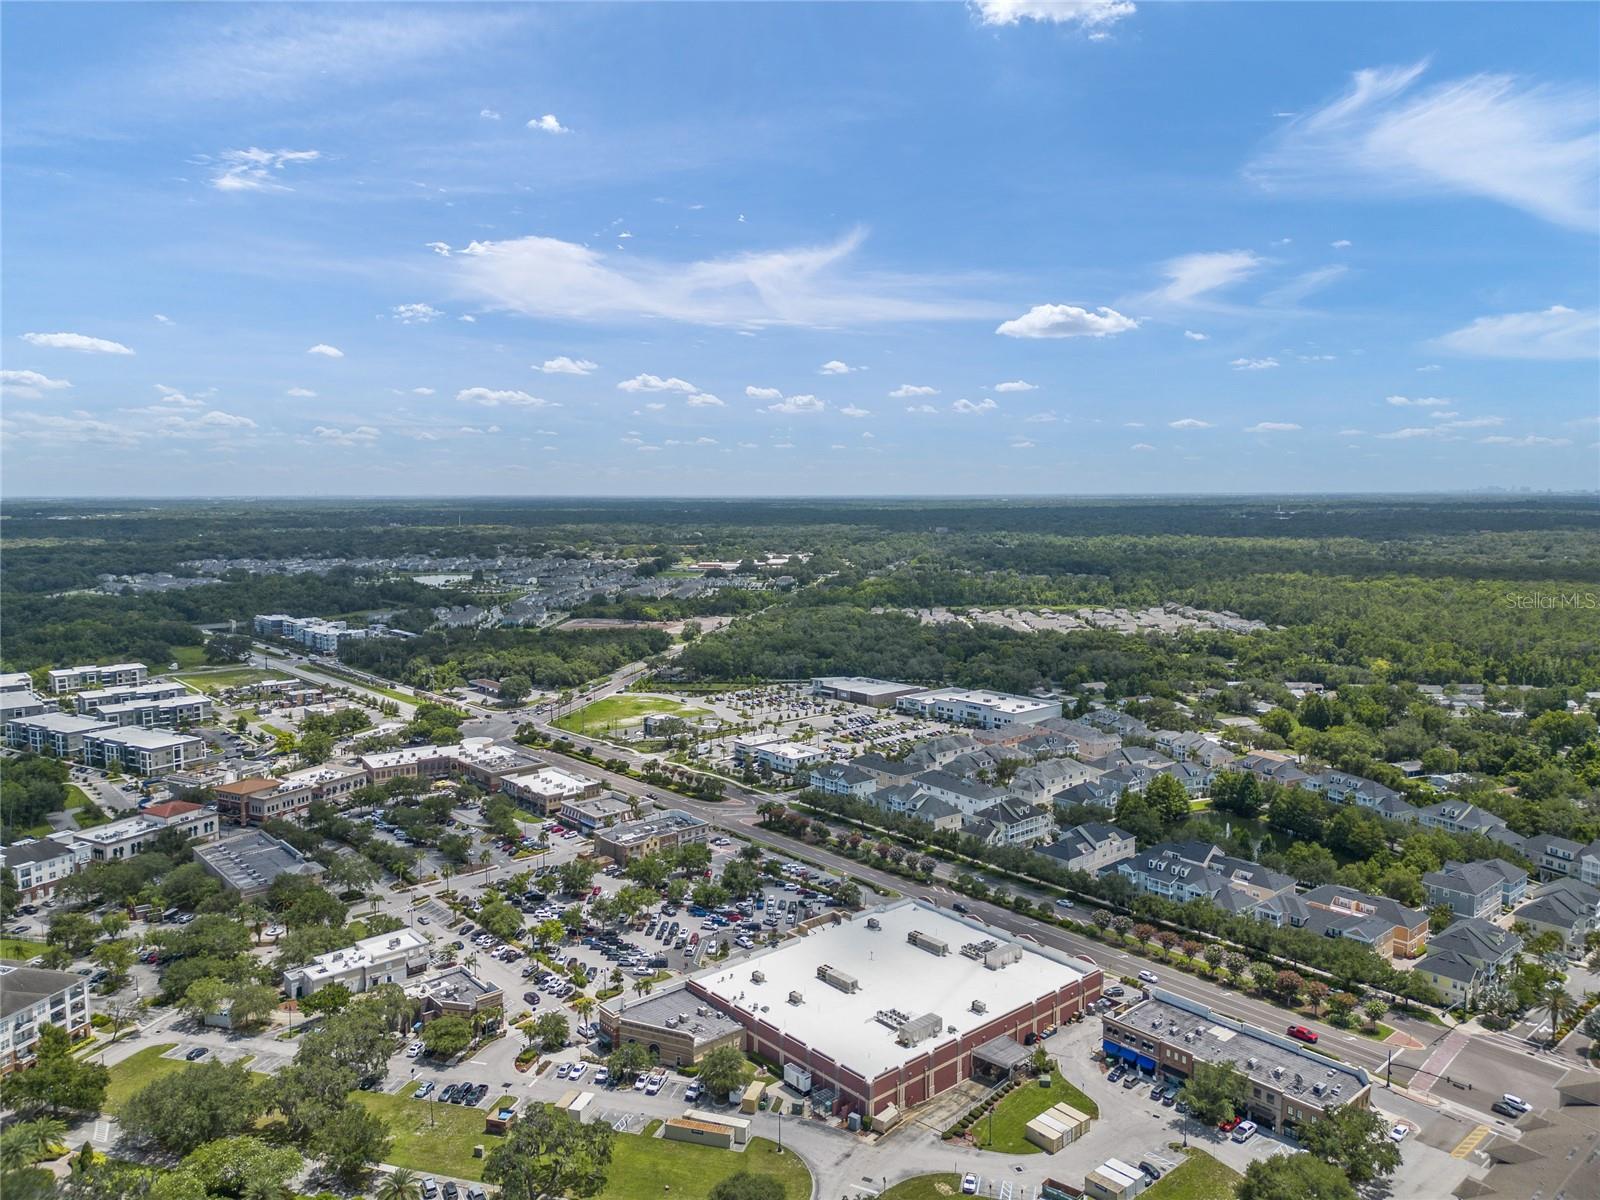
(123,839)
(74,679)
(159,689)
(786,758)
(142,751)
(55,733)
(387,958)
(15,681)
(22,704)
(168,713)
(38,866)
(314,633)
(544,791)
(31,998)
(982,709)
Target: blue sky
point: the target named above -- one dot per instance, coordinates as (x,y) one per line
(1002,247)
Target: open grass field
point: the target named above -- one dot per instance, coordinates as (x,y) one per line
(1200,1178)
(618,713)
(642,1164)
(188,657)
(224,678)
(432,1138)
(925,1187)
(20,948)
(1006,1132)
(135,1072)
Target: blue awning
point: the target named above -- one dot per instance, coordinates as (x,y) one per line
(1128,1054)
(1146,1064)
(1111,1047)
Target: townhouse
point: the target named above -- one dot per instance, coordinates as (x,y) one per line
(907,799)
(1558,857)
(1568,908)
(843,779)
(1332,910)
(1269,765)
(1466,957)
(1200,870)
(38,866)
(1469,889)
(965,795)
(1009,822)
(1091,847)
(1344,788)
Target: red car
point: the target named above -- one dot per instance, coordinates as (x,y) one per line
(1227,1126)
(1301,1033)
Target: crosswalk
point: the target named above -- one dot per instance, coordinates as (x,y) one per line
(1471,1142)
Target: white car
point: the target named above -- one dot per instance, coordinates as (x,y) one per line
(563,1070)
(1244,1131)
(1516,1102)
(640,1083)
(1147,976)
(602,1077)
(414,1049)
(654,1085)
(1398,1133)
(579,1070)
(969,1184)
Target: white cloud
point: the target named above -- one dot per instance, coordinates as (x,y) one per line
(808,286)
(548,124)
(1040,418)
(654,383)
(1021,443)
(1253,364)
(1141,446)
(468,318)
(1016,385)
(850,410)
(1309,358)
(969,406)
(1088,14)
(1417,402)
(1554,334)
(493,398)
(921,409)
(705,441)
(1196,337)
(704,400)
(1189,423)
(1531,147)
(80,342)
(440,248)
(163,319)
(71,432)
(415,314)
(1407,434)
(326,350)
(907,390)
(300,393)
(1440,414)
(422,391)
(172,398)
(653,406)
(835,367)
(1530,440)
(1066,320)
(30,385)
(1342,244)
(1429,367)
(1302,285)
(361,435)
(791,405)
(1472,423)
(562,365)
(1191,276)
(763,393)
(1352,433)
(488,114)
(255,170)
(1273,427)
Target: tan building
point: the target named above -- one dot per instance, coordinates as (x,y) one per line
(675,1025)
(253,801)
(663,831)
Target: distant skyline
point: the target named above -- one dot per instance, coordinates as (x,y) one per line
(1002,248)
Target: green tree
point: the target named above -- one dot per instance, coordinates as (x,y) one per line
(350,1143)
(116,959)
(1215,1092)
(575,876)
(57,1082)
(73,932)
(26,1142)
(1294,1177)
(401,1183)
(502,920)
(723,1069)
(330,998)
(1353,1139)
(551,1031)
(515,687)
(629,1061)
(446,1037)
(244,1167)
(1169,800)
(114,923)
(252,1004)
(747,1185)
(315,747)
(204,997)
(551,1153)
(184,1110)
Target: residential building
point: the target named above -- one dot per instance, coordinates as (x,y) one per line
(1098,792)
(1457,816)
(1589,864)
(90,701)
(15,681)
(855,689)
(57,734)
(258,799)
(1569,908)
(173,712)
(1470,889)
(843,779)
(249,861)
(122,839)
(1091,847)
(1466,956)
(1513,880)
(887,771)
(1196,748)
(1270,765)
(142,751)
(785,758)
(1199,870)
(545,790)
(907,799)
(75,679)
(31,998)
(1041,781)
(661,831)
(22,704)
(386,958)
(317,635)
(1081,738)
(1554,857)
(1115,721)
(1332,910)
(1452,974)
(38,865)
(1009,822)
(1287,1084)
(984,709)
(966,795)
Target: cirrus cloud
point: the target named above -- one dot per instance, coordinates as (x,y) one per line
(1555,333)
(81,342)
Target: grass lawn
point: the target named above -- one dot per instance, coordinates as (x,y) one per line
(188,657)
(432,1138)
(363,685)
(20,948)
(623,712)
(87,812)
(1021,1105)
(1200,1178)
(226,677)
(642,1164)
(135,1072)
(925,1187)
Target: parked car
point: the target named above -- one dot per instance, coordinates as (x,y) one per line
(448,1093)
(1398,1134)
(969,1184)
(1244,1131)
(423,1092)
(197,1052)
(1506,1110)
(602,1077)
(430,1188)
(1302,1034)
(1150,1169)
(451,1191)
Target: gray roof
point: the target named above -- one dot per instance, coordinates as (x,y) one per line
(249,861)
(1471,878)
(1450,964)
(961,787)
(22,987)
(42,850)
(1476,939)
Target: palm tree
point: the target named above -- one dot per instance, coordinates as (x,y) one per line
(25,1144)
(583,1006)
(1558,1004)
(400,1184)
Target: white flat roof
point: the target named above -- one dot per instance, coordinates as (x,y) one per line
(791,750)
(1001,701)
(893,974)
(60,722)
(363,953)
(146,739)
(397,758)
(550,781)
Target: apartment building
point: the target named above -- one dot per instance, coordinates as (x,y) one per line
(172,712)
(22,704)
(315,634)
(15,681)
(1009,822)
(1470,889)
(57,734)
(38,865)
(1332,910)
(142,751)
(843,779)
(75,679)
(30,998)
(90,702)
(1195,870)
(1569,908)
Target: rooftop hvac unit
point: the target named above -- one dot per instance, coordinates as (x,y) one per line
(1277,1072)
(924,941)
(919,1029)
(1002,956)
(978,1006)
(758,976)
(874,923)
(796,998)
(1250,1064)
(837,978)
